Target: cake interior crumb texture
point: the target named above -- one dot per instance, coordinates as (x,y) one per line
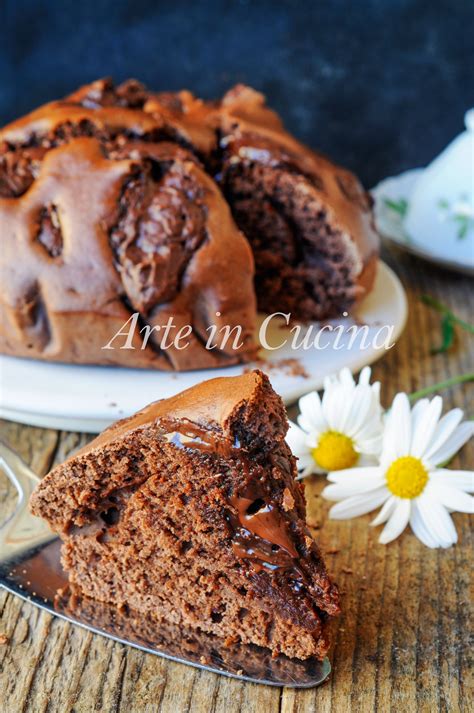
(189,512)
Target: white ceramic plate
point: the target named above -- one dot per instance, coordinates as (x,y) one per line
(389,222)
(89,398)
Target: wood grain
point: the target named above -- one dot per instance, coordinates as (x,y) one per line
(402,643)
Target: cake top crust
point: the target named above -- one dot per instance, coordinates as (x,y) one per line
(210,405)
(113,216)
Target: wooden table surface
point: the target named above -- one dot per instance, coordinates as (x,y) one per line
(402,640)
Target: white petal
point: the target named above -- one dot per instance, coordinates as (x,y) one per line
(330,382)
(306,462)
(352,486)
(419,528)
(363,409)
(346,378)
(334,400)
(345,410)
(460,479)
(304,473)
(340,476)
(376,390)
(367,461)
(397,432)
(424,428)
(311,417)
(437,521)
(309,470)
(397,522)
(359,504)
(446,425)
(373,424)
(371,446)
(451,446)
(418,413)
(387,508)
(364,376)
(402,415)
(450,497)
(297,440)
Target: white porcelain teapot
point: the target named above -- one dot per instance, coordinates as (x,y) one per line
(440,210)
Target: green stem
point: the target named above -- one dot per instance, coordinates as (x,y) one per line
(442,385)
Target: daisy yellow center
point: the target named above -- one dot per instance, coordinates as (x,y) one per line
(407,477)
(335,451)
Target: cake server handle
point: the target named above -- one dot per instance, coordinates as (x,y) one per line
(21,530)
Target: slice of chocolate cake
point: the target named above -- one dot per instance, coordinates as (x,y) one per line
(189,512)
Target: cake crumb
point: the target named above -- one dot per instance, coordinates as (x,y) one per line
(4,639)
(288,500)
(292,367)
(289,367)
(231,640)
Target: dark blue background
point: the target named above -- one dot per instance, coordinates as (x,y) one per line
(380,85)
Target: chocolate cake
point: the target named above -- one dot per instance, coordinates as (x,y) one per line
(113,198)
(113,217)
(189,512)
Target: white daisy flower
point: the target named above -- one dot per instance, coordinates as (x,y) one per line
(410,482)
(341,430)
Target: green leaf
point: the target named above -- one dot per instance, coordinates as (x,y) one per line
(400,206)
(442,309)
(447,332)
(443,203)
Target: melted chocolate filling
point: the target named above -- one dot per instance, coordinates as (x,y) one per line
(261,535)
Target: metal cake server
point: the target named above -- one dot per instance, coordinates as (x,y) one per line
(30,568)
